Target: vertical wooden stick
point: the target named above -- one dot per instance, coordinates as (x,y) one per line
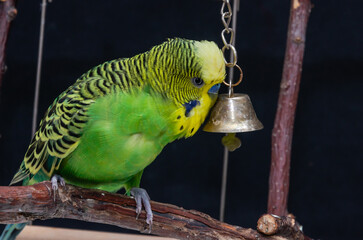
(284,121)
(7,13)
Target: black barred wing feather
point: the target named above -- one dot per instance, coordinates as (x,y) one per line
(60,130)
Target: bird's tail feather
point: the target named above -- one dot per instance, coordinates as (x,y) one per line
(12,230)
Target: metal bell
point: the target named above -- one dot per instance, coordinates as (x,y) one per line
(233,114)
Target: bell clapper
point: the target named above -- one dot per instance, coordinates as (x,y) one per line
(231,142)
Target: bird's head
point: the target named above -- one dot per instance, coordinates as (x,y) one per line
(188,72)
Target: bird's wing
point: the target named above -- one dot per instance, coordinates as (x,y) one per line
(61,128)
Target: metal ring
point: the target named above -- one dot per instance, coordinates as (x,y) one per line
(230,46)
(226,15)
(228,6)
(239,80)
(231,38)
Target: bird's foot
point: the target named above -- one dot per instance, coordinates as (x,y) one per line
(142,198)
(55,179)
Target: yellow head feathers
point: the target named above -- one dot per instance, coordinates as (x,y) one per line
(184,70)
(212,61)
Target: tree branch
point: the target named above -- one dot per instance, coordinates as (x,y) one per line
(286,226)
(285,115)
(27,203)
(7,13)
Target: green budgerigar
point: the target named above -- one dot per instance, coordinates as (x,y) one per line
(116,118)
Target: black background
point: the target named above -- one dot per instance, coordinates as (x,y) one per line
(325,190)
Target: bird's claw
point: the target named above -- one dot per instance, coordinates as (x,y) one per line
(142,198)
(55,179)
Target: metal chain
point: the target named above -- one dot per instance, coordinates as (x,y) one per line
(228,38)
(226,12)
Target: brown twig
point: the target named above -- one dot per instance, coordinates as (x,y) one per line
(284,121)
(7,13)
(285,226)
(27,203)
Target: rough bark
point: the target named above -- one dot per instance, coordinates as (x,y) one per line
(7,13)
(284,121)
(285,226)
(27,203)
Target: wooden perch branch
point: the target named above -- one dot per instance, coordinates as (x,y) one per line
(27,203)
(284,122)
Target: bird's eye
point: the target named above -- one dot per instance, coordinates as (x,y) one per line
(198,82)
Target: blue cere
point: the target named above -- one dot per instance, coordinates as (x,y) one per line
(214,88)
